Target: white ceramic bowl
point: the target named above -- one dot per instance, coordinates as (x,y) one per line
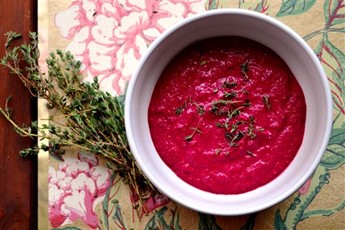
(298,56)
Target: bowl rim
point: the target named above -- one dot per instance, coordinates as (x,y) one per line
(274,22)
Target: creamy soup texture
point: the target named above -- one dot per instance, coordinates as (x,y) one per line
(227,115)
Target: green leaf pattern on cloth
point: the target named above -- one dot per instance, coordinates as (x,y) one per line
(294,7)
(333,62)
(158,221)
(250,224)
(211,4)
(207,222)
(105,203)
(278,222)
(334,11)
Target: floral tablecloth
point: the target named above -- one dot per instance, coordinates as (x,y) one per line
(109,36)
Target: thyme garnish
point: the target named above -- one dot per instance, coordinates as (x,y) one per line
(233,128)
(89,119)
(245,91)
(229,135)
(250,131)
(226,84)
(260,129)
(229,85)
(219,125)
(226,125)
(247,103)
(188,138)
(245,69)
(225,102)
(229,106)
(241,122)
(234,138)
(251,119)
(234,113)
(179,110)
(200,108)
(250,153)
(230,94)
(266,101)
(195,130)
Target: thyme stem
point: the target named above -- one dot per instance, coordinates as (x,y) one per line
(195,130)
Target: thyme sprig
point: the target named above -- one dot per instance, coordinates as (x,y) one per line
(203,62)
(179,110)
(82,115)
(195,130)
(250,153)
(229,85)
(200,109)
(228,108)
(245,69)
(234,137)
(266,101)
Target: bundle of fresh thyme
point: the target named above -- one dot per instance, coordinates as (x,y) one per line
(81,115)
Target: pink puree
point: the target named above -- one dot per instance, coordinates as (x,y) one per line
(198,133)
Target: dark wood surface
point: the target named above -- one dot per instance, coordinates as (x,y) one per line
(18,183)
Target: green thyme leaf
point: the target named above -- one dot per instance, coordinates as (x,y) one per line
(245,69)
(266,101)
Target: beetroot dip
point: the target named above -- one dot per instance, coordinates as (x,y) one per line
(227,115)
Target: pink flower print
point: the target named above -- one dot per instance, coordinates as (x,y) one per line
(155,201)
(304,189)
(75,189)
(110,36)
